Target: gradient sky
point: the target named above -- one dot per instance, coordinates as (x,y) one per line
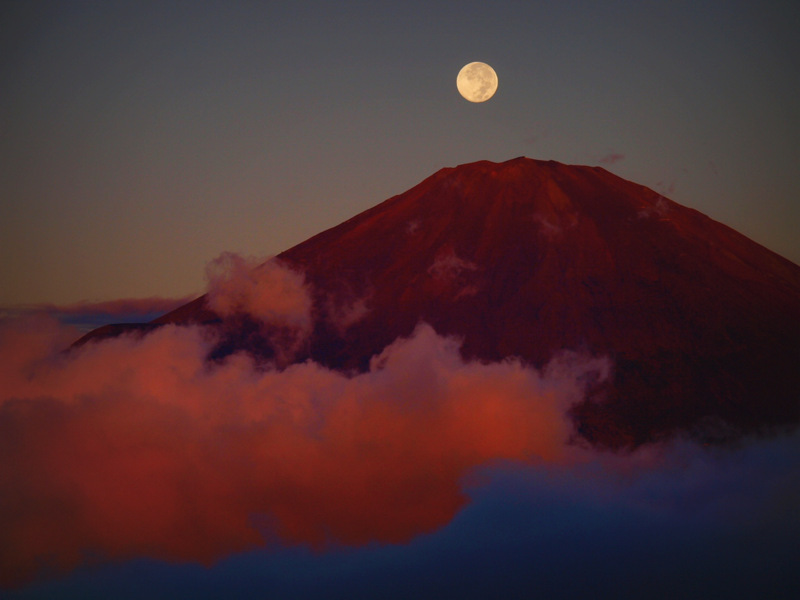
(139,140)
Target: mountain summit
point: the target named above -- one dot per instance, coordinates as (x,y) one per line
(529,258)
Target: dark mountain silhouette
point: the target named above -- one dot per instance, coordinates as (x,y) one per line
(527,258)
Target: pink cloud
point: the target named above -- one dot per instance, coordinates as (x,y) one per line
(611,158)
(343,314)
(448,265)
(125,306)
(451,272)
(138,447)
(269,293)
(87,315)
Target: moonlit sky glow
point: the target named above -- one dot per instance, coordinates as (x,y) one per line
(139,140)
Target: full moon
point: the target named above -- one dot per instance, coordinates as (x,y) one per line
(477,82)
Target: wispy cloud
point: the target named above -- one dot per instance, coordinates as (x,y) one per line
(611,158)
(88,315)
(266,290)
(452,272)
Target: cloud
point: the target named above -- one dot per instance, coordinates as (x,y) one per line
(121,307)
(669,188)
(268,293)
(658,209)
(453,273)
(611,158)
(87,315)
(342,313)
(546,227)
(448,265)
(137,446)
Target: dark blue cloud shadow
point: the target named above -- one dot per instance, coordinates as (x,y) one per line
(702,524)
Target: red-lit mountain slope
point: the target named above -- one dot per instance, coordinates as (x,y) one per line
(525,258)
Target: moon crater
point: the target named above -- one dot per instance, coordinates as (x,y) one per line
(477,82)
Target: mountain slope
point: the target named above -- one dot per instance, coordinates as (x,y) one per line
(527,258)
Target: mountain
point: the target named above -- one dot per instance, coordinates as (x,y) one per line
(527,258)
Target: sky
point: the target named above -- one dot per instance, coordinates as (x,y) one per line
(141,140)
(152,151)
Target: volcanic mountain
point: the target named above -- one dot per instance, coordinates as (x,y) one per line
(528,258)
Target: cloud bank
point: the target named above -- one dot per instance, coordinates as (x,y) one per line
(142,447)
(139,446)
(86,315)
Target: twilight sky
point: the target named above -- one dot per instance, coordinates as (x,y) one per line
(139,140)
